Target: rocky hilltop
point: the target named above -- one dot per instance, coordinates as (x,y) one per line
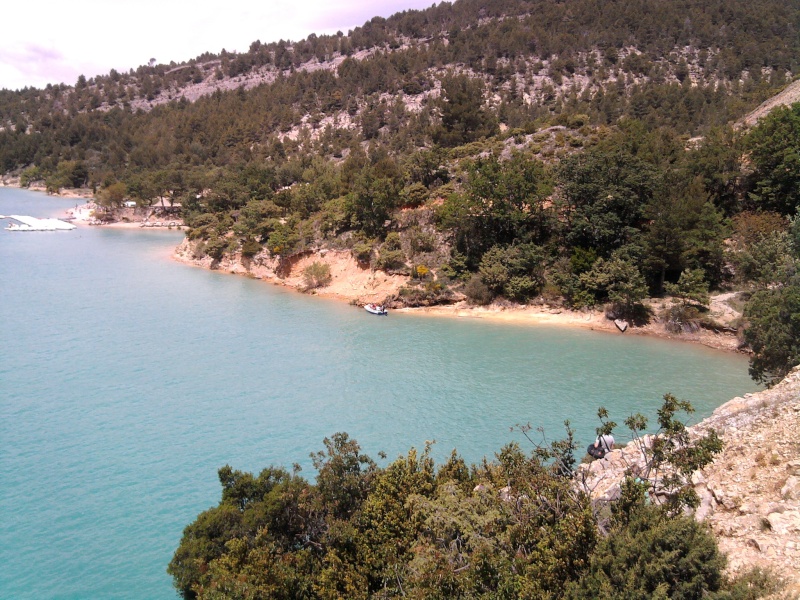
(750,495)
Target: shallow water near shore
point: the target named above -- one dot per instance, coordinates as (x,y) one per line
(128,379)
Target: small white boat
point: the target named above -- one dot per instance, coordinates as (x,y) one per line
(375,309)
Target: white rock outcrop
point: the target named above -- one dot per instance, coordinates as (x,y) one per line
(750,495)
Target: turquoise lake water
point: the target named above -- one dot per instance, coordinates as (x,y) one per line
(128,379)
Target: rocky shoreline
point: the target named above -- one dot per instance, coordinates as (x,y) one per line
(750,495)
(355,284)
(79,193)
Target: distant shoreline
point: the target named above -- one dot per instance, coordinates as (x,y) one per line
(359,286)
(594,320)
(79,193)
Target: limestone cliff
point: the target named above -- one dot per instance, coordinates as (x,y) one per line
(751,493)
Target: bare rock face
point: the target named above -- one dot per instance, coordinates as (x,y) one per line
(750,495)
(349,280)
(757,477)
(791,489)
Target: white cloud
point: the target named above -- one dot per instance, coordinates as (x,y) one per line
(53,42)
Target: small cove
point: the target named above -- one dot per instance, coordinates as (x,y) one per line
(127,380)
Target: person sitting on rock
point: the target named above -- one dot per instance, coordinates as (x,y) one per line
(602,445)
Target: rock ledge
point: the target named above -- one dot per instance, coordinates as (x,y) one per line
(750,495)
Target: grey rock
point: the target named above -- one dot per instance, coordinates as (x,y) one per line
(791,489)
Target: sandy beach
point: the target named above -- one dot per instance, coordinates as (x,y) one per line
(594,320)
(84,215)
(126,225)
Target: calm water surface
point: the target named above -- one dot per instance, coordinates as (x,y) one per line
(127,380)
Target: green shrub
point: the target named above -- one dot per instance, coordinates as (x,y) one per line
(362,252)
(283,240)
(772,332)
(414,195)
(316,275)
(578,121)
(582,259)
(333,217)
(420,241)
(691,287)
(617,280)
(392,241)
(751,585)
(494,274)
(202,226)
(514,271)
(30,175)
(653,556)
(427,294)
(456,267)
(521,288)
(391,260)
(250,248)
(391,256)
(215,247)
(478,292)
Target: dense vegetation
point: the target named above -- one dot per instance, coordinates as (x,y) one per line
(687,65)
(521,526)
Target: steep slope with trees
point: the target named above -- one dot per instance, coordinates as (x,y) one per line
(750,494)
(521,526)
(525,151)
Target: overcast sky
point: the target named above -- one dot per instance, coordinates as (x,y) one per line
(55,41)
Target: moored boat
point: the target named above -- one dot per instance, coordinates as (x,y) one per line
(375,309)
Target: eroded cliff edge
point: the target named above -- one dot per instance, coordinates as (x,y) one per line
(750,495)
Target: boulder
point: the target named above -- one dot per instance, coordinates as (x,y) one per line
(784,523)
(707,503)
(791,489)
(698,478)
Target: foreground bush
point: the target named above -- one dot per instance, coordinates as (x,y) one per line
(652,556)
(520,526)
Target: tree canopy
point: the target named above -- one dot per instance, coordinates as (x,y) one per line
(520,526)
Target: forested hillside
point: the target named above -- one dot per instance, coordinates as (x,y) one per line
(687,65)
(573,152)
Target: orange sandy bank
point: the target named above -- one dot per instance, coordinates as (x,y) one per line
(358,285)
